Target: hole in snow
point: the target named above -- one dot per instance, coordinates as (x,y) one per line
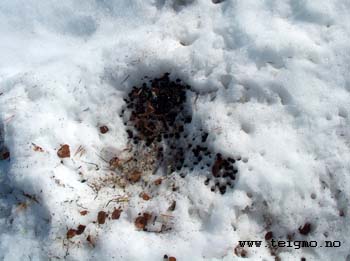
(179,4)
(226,80)
(247,127)
(217,1)
(187,39)
(342,112)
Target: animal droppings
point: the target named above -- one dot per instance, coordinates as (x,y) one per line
(158,117)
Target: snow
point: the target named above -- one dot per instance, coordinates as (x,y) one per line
(275,89)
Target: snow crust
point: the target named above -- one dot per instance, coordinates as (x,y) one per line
(275,89)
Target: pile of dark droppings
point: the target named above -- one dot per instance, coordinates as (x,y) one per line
(158,116)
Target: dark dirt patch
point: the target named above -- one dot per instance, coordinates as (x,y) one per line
(80,229)
(104,129)
(116,213)
(159,117)
(64,151)
(305,229)
(5,155)
(101,217)
(142,221)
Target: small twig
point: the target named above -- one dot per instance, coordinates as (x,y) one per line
(102,158)
(165,215)
(9,118)
(80,150)
(195,100)
(118,200)
(97,167)
(81,206)
(31,197)
(128,160)
(37,148)
(127,77)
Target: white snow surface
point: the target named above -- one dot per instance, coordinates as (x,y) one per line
(275,89)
